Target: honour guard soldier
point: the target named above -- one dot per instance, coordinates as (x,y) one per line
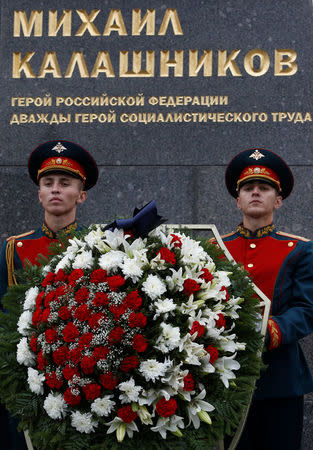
(281,265)
(63,171)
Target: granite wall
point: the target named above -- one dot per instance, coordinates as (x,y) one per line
(166,128)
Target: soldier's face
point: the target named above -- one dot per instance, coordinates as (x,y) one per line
(60,193)
(258,200)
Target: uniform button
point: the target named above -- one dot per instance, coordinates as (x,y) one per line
(252,245)
(20,244)
(250,265)
(290,244)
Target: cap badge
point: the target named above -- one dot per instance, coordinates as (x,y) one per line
(59,147)
(257,170)
(256,155)
(59,161)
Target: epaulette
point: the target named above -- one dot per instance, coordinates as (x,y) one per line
(293,236)
(9,256)
(18,236)
(213,240)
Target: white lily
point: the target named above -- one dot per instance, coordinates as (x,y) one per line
(196,406)
(225,367)
(165,424)
(121,428)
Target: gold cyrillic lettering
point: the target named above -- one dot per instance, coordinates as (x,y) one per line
(115,23)
(225,63)
(170,16)
(35,21)
(166,63)
(79,59)
(50,65)
(87,22)
(65,22)
(285,58)
(147,21)
(205,63)
(137,62)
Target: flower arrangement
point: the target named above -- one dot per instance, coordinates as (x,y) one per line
(144,341)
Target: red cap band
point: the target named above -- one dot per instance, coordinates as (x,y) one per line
(62,164)
(259,173)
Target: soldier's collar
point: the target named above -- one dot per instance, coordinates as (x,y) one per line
(51,234)
(261,232)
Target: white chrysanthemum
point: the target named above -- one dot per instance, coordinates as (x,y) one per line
(152,369)
(102,406)
(164,306)
(131,269)
(55,406)
(153,287)
(83,260)
(130,392)
(192,253)
(111,261)
(23,354)
(24,322)
(30,298)
(83,423)
(169,339)
(35,381)
(223,277)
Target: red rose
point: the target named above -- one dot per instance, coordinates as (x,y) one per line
(53,381)
(213,353)
(60,355)
(69,372)
(93,321)
(39,299)
(49,298)
(92,391)
(108,380)
(75,355)
(41,360)
(129,363)
(197,328)
(126,414)
(82,313)
(51,335)
(223,288)
(82,295)
(98,276)
(139,343)
(189,383)
(117,311)
(75,275)
(71,399)
(176,240)
(129,234)
(33,343)
(167,255)
(70,332)
(87,364)
(100,352)
(49,279)
(45,315)
(85,339)
(60,276)
(61,291)
(133,300)
(137,320)
(166,408)
(116,335)
(64,313)
(37,317)
(221,322)
(115,282)
(190,287)
(206,275)
(101,299)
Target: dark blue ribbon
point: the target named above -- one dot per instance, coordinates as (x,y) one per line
(143,221)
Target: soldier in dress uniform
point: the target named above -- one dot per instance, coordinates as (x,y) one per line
(63,171)
(281,265)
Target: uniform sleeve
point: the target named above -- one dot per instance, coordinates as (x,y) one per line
(294,319)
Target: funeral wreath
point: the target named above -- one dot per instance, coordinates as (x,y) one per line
(123,341)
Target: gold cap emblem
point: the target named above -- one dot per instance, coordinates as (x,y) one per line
(257,170)
(59,147)
(58,160)
(256,155)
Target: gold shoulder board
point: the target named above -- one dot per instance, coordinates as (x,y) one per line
(293,236)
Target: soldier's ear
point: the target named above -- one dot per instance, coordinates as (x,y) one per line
(238,203)
(279,202)
(82,197)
